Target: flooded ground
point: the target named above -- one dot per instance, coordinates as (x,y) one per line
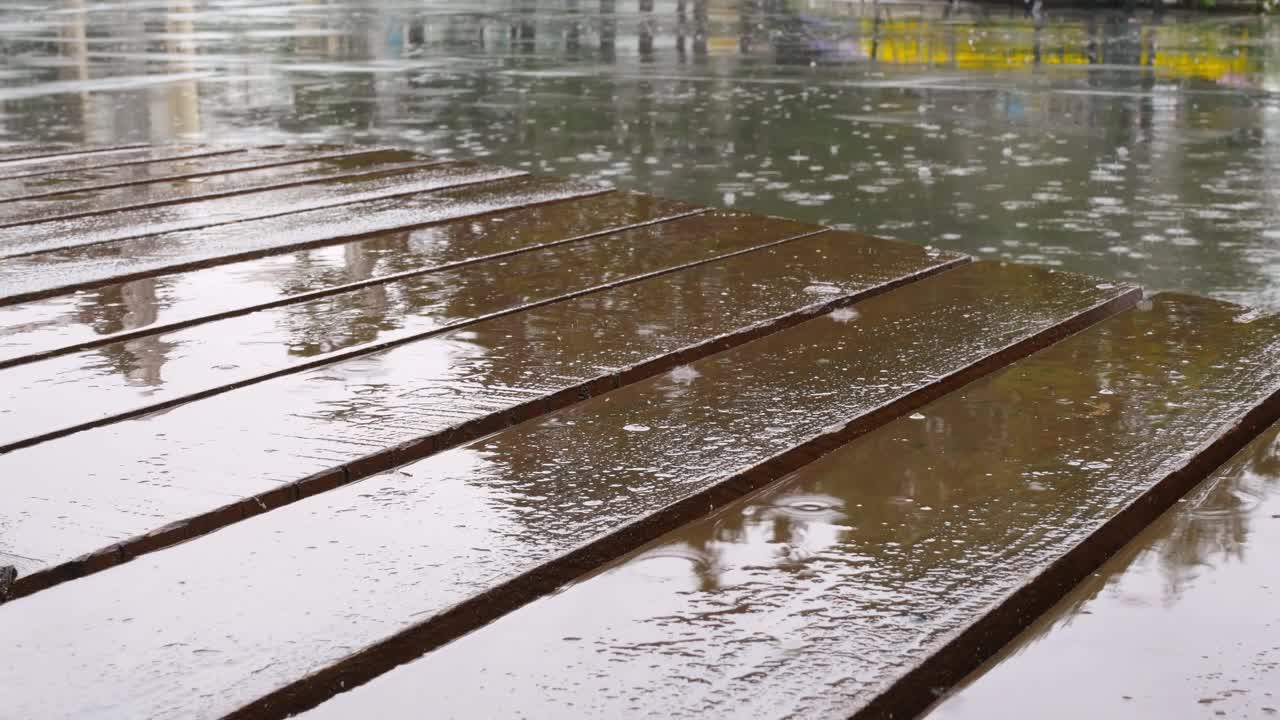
(1144,149)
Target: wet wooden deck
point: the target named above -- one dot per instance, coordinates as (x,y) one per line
(277,420)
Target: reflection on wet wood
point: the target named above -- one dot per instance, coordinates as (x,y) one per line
(290,168)
(62,272)
(361,178)
(114,176)
(511,515)
(59,396)
(38,330)
(343,421)
(11,154)
(107,157)
(872,577)
(533,378)
(1195,595)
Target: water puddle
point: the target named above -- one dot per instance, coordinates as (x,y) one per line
(897,110)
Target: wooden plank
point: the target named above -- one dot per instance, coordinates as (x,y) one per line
(112,487)
(13,153)
(419,555)
(10,153)
(22,151)
(108,157)
(289,168)
(380,175)
(879,574)
(21,565)
(71,393)
(1193,597)
(59,272)
(79,181)
(128,310)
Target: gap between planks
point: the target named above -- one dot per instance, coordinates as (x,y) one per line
(337,289)
(192,198)
(49,153)
(431,444)
(337,202)
(208,152)
(367,349)
(478,610)
(241,256)
(914,692)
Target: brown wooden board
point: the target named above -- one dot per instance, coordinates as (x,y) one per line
(291,168)
(288,607)
(79,181)
(878,575)
(103,157)
(133,308)
(59,272)
(1195,599)
(368,177)
(132,377)
(11,153)
(133,486)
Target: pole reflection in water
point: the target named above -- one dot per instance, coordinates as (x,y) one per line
(182,99)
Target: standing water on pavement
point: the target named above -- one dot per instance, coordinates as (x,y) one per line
(1142,148)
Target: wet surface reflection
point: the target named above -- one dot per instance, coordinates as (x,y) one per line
(372,181)
(808,598)
(324,163)
(1140,149)
(1184,622)
(96,315)
(95,384)
(402,547)
(125,479)
(56,273)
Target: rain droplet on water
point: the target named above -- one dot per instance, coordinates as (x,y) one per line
(845,314)
(685,374)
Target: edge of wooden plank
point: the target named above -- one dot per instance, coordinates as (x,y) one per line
(338,289)
(51,153)
(392,169)
(178,176)
(8,575)
(920,687)
(369,662)
(236,257)
(373,347)
(440,441)
(208,152)
(353,152)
